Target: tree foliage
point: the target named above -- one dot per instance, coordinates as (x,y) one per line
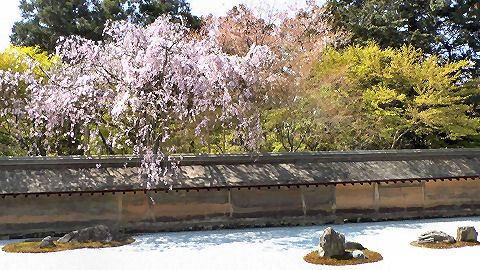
(44,21)
(295,41)
(133,88)
(17,136)
(243,83)
(392,98)
(449,29)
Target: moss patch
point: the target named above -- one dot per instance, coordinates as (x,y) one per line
(314,258)
(34,247)
(445,245)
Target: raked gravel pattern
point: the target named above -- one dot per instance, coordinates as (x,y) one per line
(263,248)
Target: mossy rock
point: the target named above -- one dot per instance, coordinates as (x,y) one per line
(34,247)
(314,258)
(445,245)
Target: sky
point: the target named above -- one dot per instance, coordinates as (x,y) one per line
(10,13)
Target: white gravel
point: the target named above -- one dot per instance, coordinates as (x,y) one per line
(267,248)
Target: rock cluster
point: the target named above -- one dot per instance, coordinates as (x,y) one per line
(99,233)
(464,234)
(435,237)
(333,244)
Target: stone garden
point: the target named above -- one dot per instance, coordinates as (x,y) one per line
(334,250)
(466,236)
(99,236)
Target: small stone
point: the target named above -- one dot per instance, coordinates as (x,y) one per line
(47,242)
(74,237)
(66,238)
(358,254)
(435,237)
(353,245)
(467,234)
(331,243)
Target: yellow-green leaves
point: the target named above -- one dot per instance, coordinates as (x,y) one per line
(15,57)
(405,96)
(17,133)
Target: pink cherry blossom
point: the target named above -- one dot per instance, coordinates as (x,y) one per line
(140,80)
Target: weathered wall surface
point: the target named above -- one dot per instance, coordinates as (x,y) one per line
(171,211)
(38,210)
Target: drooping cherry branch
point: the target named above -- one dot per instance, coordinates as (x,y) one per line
(143,80)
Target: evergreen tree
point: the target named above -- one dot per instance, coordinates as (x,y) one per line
(145,12)
(44,21)
(447,28)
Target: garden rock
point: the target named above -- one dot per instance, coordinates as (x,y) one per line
(435,237)
(66,238)
(47,242)
(467,234)
(331,243)
(353,245)
(358,254)
(99,233)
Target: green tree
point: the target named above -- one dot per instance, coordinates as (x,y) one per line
(21,131)
(291,126)
(392,98)
(450,29)
(17,136)
(44,21)
(146,11)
